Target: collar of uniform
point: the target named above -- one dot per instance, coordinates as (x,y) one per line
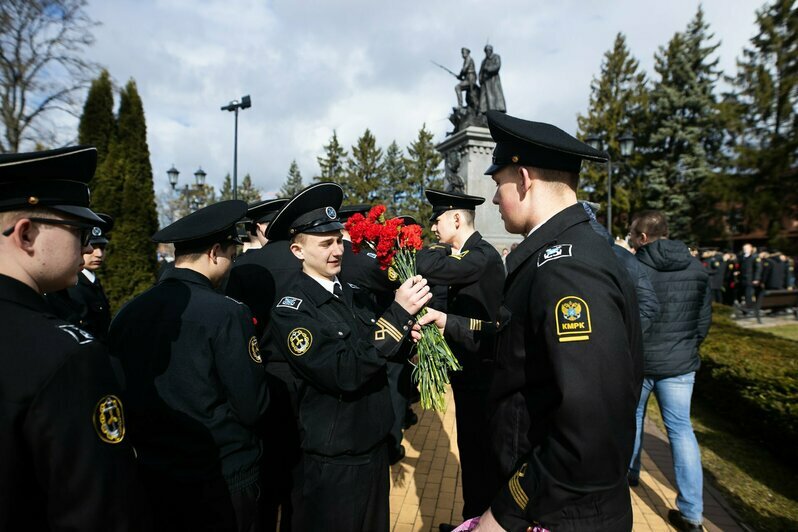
(471,241)
(545,234)
(22,294)
(89,275)
(314,290)
(187,275)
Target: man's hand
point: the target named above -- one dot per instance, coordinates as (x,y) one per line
(413,294)
(434,316)
(487,523)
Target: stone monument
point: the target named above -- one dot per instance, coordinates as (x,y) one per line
(468,152)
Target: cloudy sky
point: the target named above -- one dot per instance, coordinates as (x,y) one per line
(347,65)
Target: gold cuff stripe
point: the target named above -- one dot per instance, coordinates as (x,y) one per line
(574,338)
(390,329)
(475,325)
(518,493)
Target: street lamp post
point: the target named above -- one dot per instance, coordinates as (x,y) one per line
(234,106)
(627,145)
(199,183)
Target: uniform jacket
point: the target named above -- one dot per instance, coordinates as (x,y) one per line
(195,383)
(337,348)
(715,267)
(750,269)
(474,278)
(84,305)
(671,344)
(66,460)
(568,372)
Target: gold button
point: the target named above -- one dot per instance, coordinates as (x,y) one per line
(33,200)
(515,158)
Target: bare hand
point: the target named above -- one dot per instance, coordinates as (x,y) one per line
(415,333)
(488,523)
(434,316)
(413,294)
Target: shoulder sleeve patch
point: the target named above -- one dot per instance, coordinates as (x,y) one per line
(109,419)
(290,302)
(519,495)
(254,350)
(572,316)
(77,334)
(459,256)
(551,253)
(299,341)
(371,254)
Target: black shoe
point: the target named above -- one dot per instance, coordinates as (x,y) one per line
(396,454)
(633,481)
(676,519)
(410,419)
(446,527)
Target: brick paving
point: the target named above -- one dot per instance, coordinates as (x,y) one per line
(426,491)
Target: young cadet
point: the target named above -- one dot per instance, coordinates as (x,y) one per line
(262,213)
(67,463)
(85,304)
(195,383)
(568,369)
(473,275)
(338,349)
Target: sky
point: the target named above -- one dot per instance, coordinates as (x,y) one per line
(347,65)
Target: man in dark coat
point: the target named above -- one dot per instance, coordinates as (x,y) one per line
(472,272)
(750,274)
(491,95)
(67,462)
(569,360)
(195,383)
(671,356)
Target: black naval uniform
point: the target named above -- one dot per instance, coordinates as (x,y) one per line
(566,383)
(750,272)
(195,388)
(84,305)
(474,278)
(67,463)
(716,268)
(338,348)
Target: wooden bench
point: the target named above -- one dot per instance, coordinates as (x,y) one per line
(769,300)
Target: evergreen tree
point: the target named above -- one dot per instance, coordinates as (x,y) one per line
(246,190)
(131,265)
(97,123)
(618,101)
(423,171)
(332,164)
(394,185)
(765,128)
(686,131)
(363,171)
(293,182)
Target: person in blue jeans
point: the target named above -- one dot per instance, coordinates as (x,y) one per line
(671,358)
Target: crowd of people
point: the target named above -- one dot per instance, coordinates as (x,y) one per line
(270,389)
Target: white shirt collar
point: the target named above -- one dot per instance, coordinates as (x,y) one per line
(89,275)
(327,284)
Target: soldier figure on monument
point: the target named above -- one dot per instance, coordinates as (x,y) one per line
(468,81)
(491,95)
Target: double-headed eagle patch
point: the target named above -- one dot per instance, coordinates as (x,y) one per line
(573,319)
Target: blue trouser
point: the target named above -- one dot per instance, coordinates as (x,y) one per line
(673,395)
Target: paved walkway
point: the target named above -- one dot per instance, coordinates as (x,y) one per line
(426,489)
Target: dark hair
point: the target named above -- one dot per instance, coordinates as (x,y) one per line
(652,223)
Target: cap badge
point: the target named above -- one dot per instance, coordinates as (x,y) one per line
(33,200)
(514,158)
(96,231)
(109,420)
(330,213)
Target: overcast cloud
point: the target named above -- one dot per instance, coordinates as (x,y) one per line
(348,65)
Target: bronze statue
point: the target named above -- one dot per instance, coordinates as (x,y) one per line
(491,95)
(468,81)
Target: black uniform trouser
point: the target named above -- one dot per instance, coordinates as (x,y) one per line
(343,494)
(717,295)
(609,511)
(471,416)
(398,400)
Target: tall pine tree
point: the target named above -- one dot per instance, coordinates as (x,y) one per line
(423,164)
(293,182)
(393,186)
(246,190)
(332,164)
(618,101)
(131,265)
(97,123)
(686,131)
(363,171)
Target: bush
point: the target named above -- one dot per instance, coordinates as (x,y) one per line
(752,377)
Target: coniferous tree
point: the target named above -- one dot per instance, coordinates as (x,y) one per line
(363,171)
(333,164)
(97,123)
(293,182)
(618,101)
(686,130)
(393,187)
(131,265)
(423,171)
(764,106)
(246,190)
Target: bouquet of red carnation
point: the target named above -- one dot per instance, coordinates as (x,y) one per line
(396,244)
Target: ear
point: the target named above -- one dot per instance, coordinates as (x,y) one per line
(456,219)
(296,249)
(213,253)
(524,183)
(24,235)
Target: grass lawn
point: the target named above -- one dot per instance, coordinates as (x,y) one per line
(789,332)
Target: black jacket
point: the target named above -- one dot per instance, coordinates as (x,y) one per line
(195,383)
(84,305)
(682,286)
(67,463)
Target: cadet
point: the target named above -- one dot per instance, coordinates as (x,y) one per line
(85,303)
(473,273)
(569,362)
(195,381)
(66,459)
(261,213)
(337,348)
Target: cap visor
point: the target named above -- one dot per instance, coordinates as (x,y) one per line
(84,213)
(102,241)
(493,169)
(325,227)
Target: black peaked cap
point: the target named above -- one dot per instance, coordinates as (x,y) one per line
(536,144)
(56,179)
(346,211)
(407,219)
(264,211)
(99,233)
(213,224)
(446,201)
(311,210)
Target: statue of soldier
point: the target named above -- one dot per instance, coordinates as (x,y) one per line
(468,81)
(491,95)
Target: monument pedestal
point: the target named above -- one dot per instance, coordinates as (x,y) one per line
(468,153)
